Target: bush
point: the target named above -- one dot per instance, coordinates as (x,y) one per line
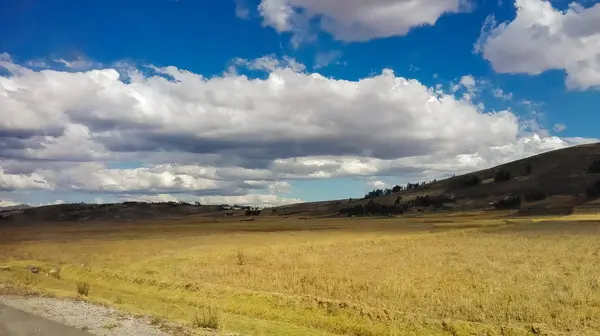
(593,190)
(502,175)
(470,180)
(510,202)
(594,168)
(534,196)
(252,212)
(528,169)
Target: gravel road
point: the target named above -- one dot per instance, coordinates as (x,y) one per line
(95,319)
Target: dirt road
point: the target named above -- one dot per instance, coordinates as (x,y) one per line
(15,322)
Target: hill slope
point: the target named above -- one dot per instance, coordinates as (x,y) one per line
(560,175)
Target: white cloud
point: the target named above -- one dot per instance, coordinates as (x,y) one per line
(376,184)
(543,38)
(78,63)
(234,139)
(261,200)
(559,127)
(6,204)
(468,81)
(356,20)
(22,181)
(277,14)
(241,9)
(325,58)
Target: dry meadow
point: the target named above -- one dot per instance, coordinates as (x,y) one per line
(461,274)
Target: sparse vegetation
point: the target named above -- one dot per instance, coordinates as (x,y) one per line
(110,326)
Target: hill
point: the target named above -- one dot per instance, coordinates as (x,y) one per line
(554,182)
(127,211)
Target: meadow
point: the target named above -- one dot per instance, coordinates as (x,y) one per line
(438,274)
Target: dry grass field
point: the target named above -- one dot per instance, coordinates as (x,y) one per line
(461,274)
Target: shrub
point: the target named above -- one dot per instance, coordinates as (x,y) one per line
(528,169)
(83,288)
(593,190)
(470,180)
(209,319)
(534,196)
(594,168)
(240,258)
(502,175)
(510,202)
(254,212)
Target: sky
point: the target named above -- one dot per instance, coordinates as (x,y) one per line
(270,102)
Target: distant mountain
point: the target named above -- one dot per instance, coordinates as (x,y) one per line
(15,207)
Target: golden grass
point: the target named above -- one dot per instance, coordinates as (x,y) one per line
(420,275)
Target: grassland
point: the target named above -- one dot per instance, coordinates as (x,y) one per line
(465,274)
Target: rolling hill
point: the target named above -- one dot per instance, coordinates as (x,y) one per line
(555,182)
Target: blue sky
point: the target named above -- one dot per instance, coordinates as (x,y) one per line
(544,73)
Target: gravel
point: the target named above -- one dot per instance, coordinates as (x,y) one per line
(95,319)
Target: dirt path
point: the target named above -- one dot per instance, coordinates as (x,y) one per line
(83,317)
(14,322)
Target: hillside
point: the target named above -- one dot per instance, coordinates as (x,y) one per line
(560,176)
(557,180)
(128,211)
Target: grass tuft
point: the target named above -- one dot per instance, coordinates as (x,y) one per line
(240,258)
(83,288)
(207,319)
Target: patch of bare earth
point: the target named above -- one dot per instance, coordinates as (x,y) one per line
(95,319)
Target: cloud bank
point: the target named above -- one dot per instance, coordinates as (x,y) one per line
(161,132)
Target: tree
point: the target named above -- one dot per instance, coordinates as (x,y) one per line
(594,168)
(470,180)
(502,175)
(528,169)
(396,188)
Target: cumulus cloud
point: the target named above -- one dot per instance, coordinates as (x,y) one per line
(376,184)
(10,182)
(355,20)
(543,38)
(236,139)
(7,204)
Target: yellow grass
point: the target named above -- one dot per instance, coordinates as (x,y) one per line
(423,275)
